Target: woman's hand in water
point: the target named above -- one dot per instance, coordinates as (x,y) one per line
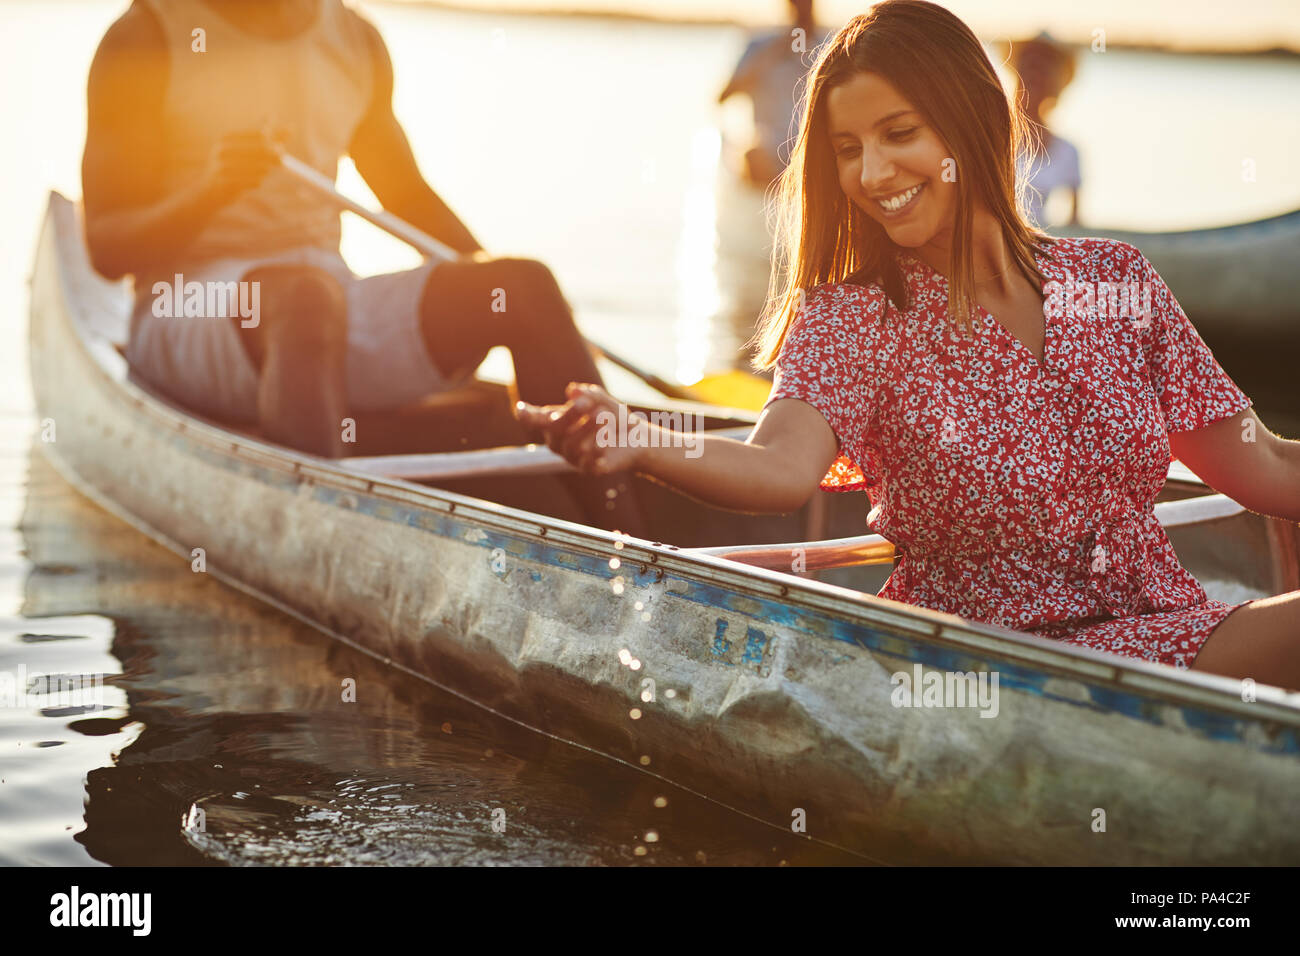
(584,429)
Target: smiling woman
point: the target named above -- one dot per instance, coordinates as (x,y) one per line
(872,164)
(1012,440)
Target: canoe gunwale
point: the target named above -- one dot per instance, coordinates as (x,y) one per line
(865,549)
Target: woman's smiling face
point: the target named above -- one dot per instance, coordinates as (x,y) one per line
(890,161)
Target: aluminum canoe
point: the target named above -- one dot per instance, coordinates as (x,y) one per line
(768,691)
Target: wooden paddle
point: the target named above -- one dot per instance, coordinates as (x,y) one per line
(733,389)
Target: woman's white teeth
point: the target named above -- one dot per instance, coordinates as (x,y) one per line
(896,203)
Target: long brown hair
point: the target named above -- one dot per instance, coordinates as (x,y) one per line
(935,62)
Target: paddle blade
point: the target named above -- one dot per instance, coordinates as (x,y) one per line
(732,389)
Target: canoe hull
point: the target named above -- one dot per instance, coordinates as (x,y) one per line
(781,688)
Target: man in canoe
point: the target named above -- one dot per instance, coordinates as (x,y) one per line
(189,103)
(1008,401)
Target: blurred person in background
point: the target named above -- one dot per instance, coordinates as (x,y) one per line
(769,72)
(1043,69)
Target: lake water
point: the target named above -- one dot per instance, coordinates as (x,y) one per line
(591,144)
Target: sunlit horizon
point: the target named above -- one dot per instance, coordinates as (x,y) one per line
(1183,25)
(1253,25)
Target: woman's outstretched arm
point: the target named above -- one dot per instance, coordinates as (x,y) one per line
(1241,458)
(775,470)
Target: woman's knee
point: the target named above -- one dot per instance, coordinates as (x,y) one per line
(1260,639)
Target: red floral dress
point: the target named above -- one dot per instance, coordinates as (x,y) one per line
(1021,493)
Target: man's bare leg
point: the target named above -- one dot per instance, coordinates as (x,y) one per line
(470,307)
(299,347)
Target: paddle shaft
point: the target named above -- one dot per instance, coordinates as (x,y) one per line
(422,241)
(429,246)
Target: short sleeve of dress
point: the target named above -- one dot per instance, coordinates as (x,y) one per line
(826,360)
(1192,387)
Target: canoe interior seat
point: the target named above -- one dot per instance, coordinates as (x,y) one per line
(475,415)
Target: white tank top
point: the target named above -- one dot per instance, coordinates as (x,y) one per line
(316,84)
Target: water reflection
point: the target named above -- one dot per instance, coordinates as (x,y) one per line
(699,298)
(231,739)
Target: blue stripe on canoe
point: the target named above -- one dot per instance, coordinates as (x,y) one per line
(912,648)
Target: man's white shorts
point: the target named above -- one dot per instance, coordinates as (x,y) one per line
(201,363)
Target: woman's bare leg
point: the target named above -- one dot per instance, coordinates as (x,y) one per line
(1260,640)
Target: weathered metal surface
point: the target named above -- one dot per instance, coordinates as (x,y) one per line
(780,687)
